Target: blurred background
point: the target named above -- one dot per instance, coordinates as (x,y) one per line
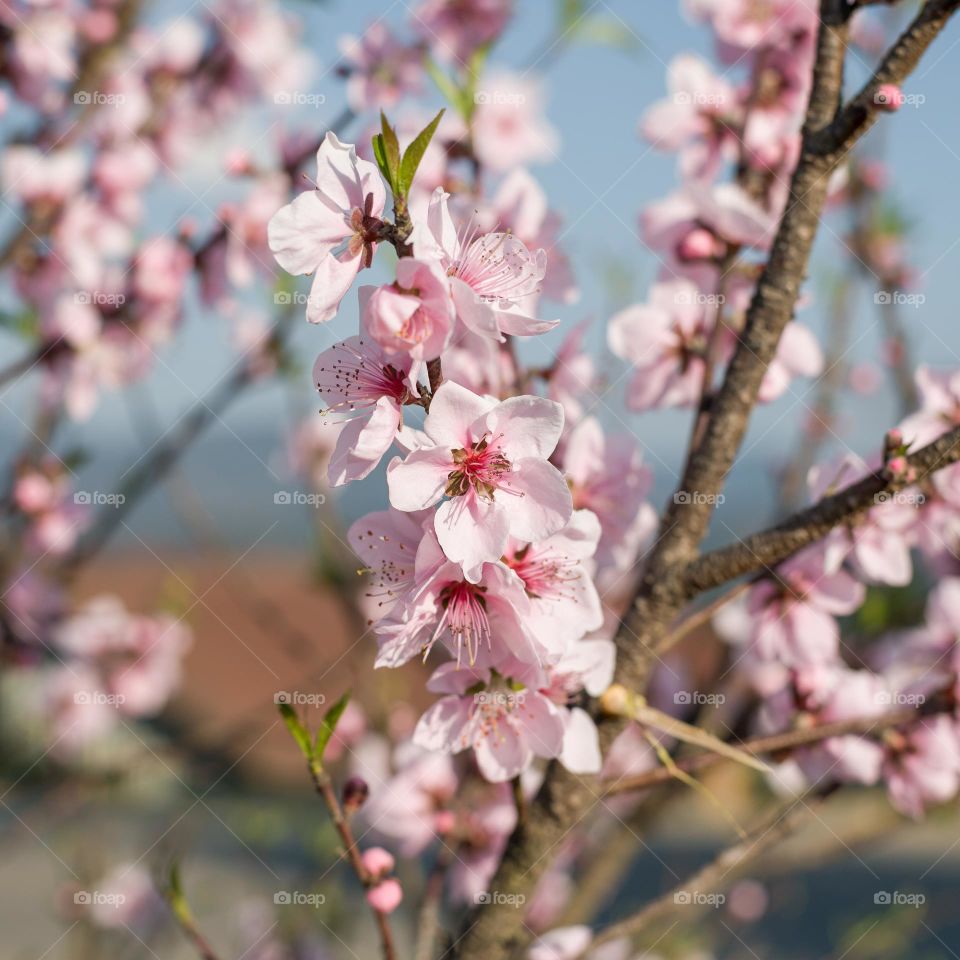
(243,541)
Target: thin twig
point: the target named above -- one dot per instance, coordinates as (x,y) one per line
(324,787)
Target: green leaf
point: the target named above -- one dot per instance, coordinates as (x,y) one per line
(380,155)
(176,899)
(297,729)
(414,154)
(328,725)
(451,92)
(391,150)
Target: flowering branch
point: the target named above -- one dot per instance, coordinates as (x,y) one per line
(785,743)
(848,506)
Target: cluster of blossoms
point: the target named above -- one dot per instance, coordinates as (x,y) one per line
(787,626)
(511,513)
(489,552)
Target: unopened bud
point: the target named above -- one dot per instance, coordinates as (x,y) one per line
(699,244)
(889,97)
(354,794)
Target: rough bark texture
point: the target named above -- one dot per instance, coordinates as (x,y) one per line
(496,930)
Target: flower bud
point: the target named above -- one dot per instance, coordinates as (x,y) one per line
(889,97)
(385,896)
(377,861)
(699,244)
(354,794)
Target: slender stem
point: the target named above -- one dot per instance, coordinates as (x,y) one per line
(777,743)
(324,787)
(716,875)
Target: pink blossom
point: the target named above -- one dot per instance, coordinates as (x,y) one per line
(586,665)
(486,618)
(128,899)
(794,613)
(34,176)
(509,127)
(829,693)
(607,476)
(246,223)
(342,211)
(723,210)
(377,861)
(939,406)
(879,545)
(563,599)
(379,68)
(923,766)
(414,315)
(664,340)
(387,542)
(489,274)
(506,729)
(385,896)
(701,107)
(455,29)
(489,460)
(520,207)
(358,380)
(412,807)
(572,375)
(798,355)
(138,658)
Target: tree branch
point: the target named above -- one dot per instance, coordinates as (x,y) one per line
(496,930)
(785,742)
(715,876)
(770,547)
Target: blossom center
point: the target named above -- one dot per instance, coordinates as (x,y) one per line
(481,467)
(465,617)
(498,266)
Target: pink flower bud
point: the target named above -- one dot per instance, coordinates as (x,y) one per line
(377,861)
(898,466)
(699,244)
(895,437)
(889,97)
(444,821)
(385,896)
(237,162)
